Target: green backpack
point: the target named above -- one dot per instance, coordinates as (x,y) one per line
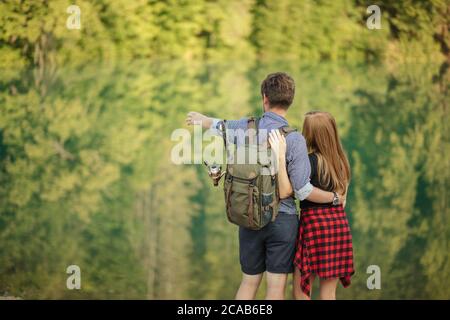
(251,187)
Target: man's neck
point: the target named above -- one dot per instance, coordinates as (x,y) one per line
(278,111)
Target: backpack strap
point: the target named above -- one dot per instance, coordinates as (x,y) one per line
(223,128)
(286,130)
(252,123)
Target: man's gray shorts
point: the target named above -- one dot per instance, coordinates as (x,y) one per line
(271,248)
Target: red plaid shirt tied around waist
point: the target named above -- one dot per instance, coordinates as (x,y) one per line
(324,246)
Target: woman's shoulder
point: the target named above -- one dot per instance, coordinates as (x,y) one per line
(313,163)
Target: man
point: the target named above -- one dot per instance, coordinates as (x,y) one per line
(272,248)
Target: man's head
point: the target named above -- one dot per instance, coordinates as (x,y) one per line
(277,90)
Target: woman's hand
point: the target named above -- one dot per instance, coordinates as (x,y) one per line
(278,144)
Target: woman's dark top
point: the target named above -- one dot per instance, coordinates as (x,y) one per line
(316,183)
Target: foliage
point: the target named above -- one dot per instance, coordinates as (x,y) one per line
(86,117)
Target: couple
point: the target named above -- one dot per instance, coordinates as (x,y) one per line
(316,172)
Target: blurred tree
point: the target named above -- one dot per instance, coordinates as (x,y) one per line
(87,115)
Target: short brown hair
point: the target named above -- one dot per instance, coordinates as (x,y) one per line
(279,88)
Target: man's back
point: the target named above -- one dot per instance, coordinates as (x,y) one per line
(297,161)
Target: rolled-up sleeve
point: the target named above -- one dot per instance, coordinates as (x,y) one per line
(216,126)
(298,166)
(232,126)
(304,192)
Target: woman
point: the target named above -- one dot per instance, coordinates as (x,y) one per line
(324,248)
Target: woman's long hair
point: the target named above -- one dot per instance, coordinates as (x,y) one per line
(320,132)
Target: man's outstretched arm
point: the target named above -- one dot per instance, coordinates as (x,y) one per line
(215,124)
(194,117)
(198,118)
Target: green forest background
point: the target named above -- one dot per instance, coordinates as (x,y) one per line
(86,118)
